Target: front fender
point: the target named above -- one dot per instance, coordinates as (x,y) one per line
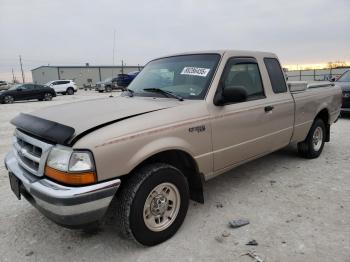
(158,146)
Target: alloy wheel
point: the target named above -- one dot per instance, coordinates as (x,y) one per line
(161,207)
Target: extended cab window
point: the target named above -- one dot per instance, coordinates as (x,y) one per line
(276,75)
(239,73)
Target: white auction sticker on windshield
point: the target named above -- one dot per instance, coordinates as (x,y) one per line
(195,71)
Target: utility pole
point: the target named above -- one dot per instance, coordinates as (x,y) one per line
(13,76)
(122,67)
(20,61)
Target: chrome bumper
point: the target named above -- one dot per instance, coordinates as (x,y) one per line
(67,206)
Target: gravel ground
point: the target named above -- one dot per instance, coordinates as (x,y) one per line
(299,210)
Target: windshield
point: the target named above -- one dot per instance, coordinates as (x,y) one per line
(14,87)
(187,76)
(345,77)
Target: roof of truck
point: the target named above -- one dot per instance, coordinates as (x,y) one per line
(226,51)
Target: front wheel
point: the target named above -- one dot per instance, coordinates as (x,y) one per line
(8,99)
(313,145)
(153,203)
(108,89)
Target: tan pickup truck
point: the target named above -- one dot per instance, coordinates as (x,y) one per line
(185,119)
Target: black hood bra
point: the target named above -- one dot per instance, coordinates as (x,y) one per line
(57,133)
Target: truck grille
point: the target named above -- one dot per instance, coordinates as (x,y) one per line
(30,152)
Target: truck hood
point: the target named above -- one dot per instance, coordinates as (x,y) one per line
(79,118)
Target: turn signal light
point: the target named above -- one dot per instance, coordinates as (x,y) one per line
(76,178)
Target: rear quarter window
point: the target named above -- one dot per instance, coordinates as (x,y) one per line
(276,75)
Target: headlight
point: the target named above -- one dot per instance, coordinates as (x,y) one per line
(59,158)
(70,167)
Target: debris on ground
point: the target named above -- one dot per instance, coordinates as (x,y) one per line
(238,223)
(252,255)
(219,239)
(29,253)
(272,182)
(219,205)
(252,243)
(226,234)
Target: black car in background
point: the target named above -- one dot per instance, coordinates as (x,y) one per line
(344,82)
(27,92)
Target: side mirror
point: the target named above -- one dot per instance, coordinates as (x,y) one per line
(332,79)
(230,94)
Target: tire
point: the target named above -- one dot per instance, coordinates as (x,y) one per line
(8,99)
(100,91)
(145,211)
(313,145)
(47,97)
(108,89)
(70,91)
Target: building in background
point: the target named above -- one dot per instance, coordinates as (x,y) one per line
(81,75)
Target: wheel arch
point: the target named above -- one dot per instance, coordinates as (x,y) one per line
(182,160)
(324,115)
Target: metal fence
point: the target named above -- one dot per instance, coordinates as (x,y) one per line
(315,74)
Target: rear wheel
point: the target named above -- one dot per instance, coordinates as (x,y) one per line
(313,145)
(70,91)
(47,97)
(153,203)
(8,99)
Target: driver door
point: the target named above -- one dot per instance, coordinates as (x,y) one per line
(240,130)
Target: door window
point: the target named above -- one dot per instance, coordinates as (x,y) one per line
(26,86)
(244,73)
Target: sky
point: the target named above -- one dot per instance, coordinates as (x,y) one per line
(75,32)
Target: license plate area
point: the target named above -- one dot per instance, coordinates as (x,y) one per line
(15,185)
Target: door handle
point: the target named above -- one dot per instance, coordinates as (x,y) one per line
(268,108)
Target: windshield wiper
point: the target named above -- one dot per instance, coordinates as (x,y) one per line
(164,92)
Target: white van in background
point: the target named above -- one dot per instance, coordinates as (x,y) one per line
(63,86)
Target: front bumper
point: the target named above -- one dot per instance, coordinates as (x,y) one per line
(68,206)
